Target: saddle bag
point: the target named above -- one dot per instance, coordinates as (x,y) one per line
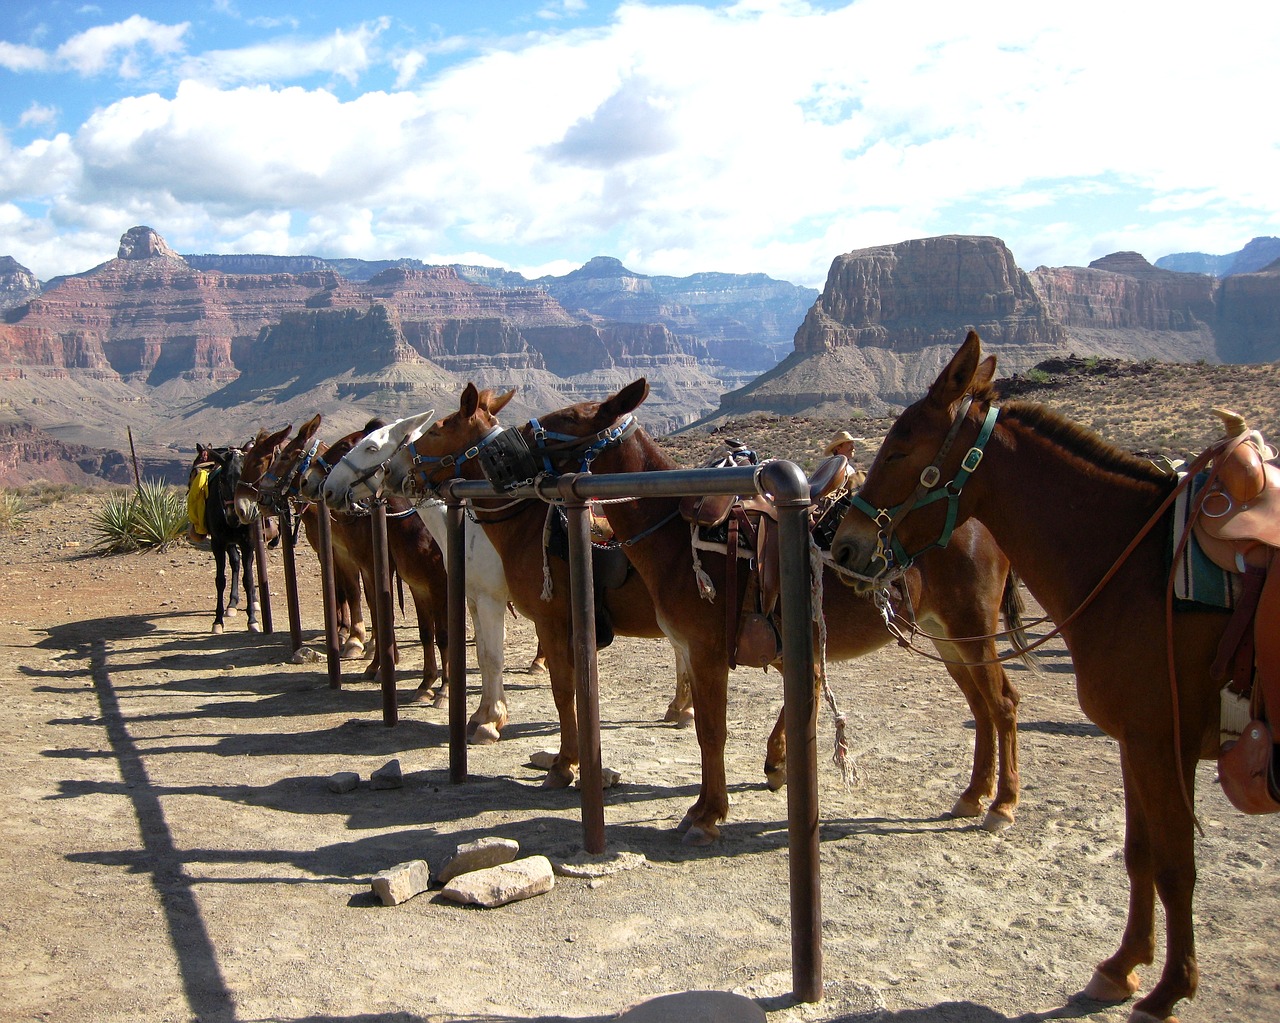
(1246,769)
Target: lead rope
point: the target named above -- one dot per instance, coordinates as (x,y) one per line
(840,755)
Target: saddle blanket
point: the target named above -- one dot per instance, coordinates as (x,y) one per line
(197,496)
(1197,580)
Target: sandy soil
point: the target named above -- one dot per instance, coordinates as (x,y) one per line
(172,851)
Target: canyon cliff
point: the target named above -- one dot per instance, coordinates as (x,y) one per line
(890,316)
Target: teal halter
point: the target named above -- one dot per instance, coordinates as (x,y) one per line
(889,551)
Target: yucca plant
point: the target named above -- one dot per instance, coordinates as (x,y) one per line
(149,518)
(13,511)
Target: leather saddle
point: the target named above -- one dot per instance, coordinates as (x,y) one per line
(1237,523)
(750,532)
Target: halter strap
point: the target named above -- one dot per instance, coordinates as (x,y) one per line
(889,550)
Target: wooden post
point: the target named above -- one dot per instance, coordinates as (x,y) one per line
(291,580)
(328,591)
(385,611)
(264,586)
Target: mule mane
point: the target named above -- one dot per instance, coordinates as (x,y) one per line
(1079,440)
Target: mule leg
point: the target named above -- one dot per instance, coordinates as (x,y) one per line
(680,709)
(1160,857)
(232,554)
(220,582)
(353,646)
(563,691)
(710,667)
(247,557)
(775,753)
(430,638)
(490,718)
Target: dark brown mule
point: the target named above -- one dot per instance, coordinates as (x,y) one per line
(413,554)
(1064,504)
(516,532)
(962,598)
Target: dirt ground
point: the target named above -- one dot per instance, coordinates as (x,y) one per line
(172,851)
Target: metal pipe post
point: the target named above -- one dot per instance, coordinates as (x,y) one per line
(456,669)
(586,678)
(264,585)
(291,580)
(385,612)
(329,594)
(790,491)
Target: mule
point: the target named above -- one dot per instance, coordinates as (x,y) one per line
(230,539)
(1064,504)
(514,571)
(412,554)
(963,598)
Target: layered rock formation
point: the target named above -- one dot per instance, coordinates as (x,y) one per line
(1259,254)
(890,316)
(18,285)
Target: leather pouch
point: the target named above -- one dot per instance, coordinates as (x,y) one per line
(1245,770)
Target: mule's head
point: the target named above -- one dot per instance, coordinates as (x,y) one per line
(264,462)
(311,483)
(444,449)
(358,475)
(903,506)
(570,439)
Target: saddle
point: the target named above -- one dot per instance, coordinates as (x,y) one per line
(1236,521)
(745,528)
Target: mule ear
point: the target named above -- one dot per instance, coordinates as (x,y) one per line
(274,440)
(469,401)
(626,400)
(413,426)
(494,405)
(986,371)
(958,374)
(308,429)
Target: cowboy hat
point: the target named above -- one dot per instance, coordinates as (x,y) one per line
(840,438)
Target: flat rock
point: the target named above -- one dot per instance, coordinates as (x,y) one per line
(344,781)
(479,855)
(402,882)
(589,865)
(509,882)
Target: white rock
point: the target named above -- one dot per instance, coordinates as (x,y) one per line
(479,855)
(496,886)
(402,882)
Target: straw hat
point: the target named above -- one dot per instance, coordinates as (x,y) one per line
(839,438)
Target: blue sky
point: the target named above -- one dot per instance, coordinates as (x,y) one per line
(765,135)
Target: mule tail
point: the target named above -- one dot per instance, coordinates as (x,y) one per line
(1012,606)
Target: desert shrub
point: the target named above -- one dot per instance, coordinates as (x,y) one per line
(13,511)
(149,518)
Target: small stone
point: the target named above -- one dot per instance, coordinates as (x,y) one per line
(343,781)
(543,759)
(402,882)
(387,777)
(496,886)
(304,655)
(479,855)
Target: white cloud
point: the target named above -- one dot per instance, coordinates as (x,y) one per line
(39,114)
(346,55)
(17,57)
(90,52)
(760,136)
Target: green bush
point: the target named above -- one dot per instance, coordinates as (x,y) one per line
(13,511)
(149,518)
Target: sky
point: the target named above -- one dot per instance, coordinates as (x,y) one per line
(759,136)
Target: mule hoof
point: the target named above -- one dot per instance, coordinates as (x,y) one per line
(775,777)
(441,698)
(229,613)
(537,666)
(558,778)
(485,734)
(217,629)
(255,627)
(1138,1016)
(420,695)
(965,808)
(352,650)
(1105,988)
(699,836)
(997,821)
(681,717)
